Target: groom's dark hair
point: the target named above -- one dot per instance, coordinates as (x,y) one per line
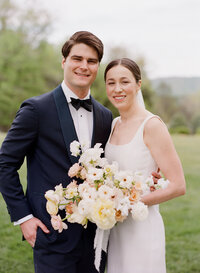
(83,37)
(128,63)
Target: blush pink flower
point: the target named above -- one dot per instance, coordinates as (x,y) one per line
(74,170)
(83,174)
(57,223)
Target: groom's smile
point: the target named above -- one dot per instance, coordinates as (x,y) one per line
(80,68)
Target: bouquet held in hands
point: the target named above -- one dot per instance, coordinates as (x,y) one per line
(106,196)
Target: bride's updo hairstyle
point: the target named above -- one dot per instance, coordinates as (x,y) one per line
(129,64)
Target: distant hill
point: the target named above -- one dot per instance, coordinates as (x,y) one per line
(179,86)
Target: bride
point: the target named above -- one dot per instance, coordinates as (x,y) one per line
(139,141)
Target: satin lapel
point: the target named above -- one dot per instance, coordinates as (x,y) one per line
(97,124)
(66,121)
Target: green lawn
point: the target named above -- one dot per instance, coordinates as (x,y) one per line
(181,218)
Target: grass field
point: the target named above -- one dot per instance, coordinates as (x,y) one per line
(181,217)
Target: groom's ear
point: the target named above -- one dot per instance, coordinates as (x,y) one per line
(63,62)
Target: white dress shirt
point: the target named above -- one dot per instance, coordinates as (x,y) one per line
(83,119)
(83,123)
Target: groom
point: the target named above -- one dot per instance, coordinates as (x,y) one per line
(42,132)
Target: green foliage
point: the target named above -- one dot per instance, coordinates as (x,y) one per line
(25,72)
(178,125)
(195,123)
(198,131)
(28,67)
(179,130)
(186,106)
(148,94)
(165,104)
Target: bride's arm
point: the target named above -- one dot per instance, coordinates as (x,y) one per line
(159,142)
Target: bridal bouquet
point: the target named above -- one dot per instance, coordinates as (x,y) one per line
(106,196)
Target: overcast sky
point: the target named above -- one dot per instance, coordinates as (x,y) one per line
(165,32)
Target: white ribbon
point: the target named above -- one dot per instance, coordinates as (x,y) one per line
(100,243)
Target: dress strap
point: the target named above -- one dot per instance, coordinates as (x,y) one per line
(148,118)
(113,126)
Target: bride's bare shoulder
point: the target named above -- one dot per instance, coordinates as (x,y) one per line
(155,125)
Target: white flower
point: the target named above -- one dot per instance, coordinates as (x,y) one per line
(90,194)
(145,189)
(51,207)
(105,192)
(52,196)
(59,191)
(111,169)
(138,177)
(102,162)
(139,211)
(103,213)
(124,206)
(109,182)
(149,181)
(75,148)
(97,146)
(162,183)
(125,179)
(84,207)
(117,196)
(91,157)
(84,146)
(71,190)
(83,187)
(94,174)
(76,217)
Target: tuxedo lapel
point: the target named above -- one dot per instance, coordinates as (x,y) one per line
(66,121)
(97,124)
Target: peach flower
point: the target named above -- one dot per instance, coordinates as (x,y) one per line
(57,223)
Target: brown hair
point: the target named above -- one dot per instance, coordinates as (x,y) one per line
(84,37)
(128,63)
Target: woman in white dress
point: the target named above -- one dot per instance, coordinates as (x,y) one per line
(139,141)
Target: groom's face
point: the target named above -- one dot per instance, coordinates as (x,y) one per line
(80,68)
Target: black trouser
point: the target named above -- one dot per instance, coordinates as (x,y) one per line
(79,260)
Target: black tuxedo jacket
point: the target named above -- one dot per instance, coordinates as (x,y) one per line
(41,132)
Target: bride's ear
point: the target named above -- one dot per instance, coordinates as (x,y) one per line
(139,83)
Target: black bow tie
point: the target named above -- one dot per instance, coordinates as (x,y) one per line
(87,104)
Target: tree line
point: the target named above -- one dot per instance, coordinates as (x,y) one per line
(30,66)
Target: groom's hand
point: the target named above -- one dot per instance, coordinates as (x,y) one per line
(156,176)
(29,229)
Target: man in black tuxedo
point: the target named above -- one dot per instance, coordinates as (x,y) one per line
(42,132)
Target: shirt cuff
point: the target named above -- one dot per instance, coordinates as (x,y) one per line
(24,219)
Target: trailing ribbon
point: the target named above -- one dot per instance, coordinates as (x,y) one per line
(100,243)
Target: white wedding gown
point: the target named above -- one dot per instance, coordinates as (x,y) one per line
(136,247)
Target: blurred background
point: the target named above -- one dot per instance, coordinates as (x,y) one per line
(162,36)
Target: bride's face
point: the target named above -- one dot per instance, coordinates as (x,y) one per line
(121,87)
